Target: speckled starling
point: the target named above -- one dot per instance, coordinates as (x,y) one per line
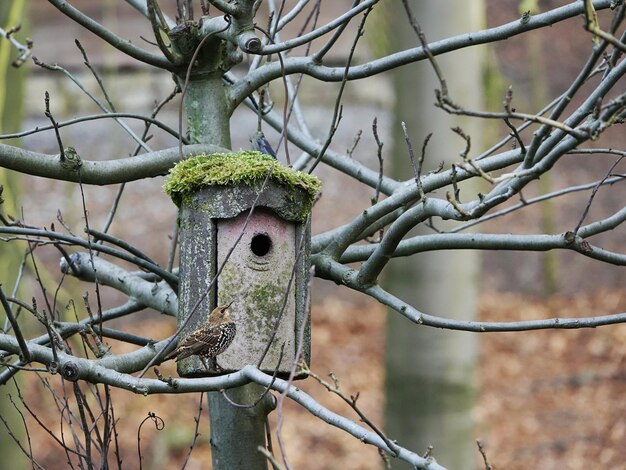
(210,339)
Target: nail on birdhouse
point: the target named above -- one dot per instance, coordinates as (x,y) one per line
(245,238)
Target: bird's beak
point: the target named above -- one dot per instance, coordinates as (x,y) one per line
(227,306)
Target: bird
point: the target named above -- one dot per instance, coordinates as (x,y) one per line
(260,144)
(209,339)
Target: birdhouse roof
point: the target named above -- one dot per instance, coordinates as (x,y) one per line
(240,171)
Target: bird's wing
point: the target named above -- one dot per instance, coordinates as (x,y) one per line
(206,338)
(198,341)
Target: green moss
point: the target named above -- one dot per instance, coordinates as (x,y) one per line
(232,169)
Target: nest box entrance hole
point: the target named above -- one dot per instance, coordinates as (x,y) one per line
(261,244)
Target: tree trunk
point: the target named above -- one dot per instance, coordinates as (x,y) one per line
(430,373)
(236,432)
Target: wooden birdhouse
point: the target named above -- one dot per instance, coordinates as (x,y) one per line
(245,238)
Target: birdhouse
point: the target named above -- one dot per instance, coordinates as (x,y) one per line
(245,238)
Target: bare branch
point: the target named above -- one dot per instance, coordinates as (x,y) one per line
(326,268)
(591,24)
(159,296)
(94,117)
(121,44)
(121,170)
(71,240)
(271,71)
(25,50)
(306,38)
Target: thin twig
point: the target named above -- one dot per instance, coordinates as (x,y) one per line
(159,424)
(105,237)
(90,250)
(54,125)
(481,449)
(155,112)
(264,392)
(25,50)
(422,38)
(337,112)
(17,441)
(417,170)
(591,24)
(352,402)
(275,464)
(155,15)
(30,447)
(25,353)
(92,97)
(173,246)
(508,97)
(80,402)
(38,420)
(95,117)
(287,104)
(379,156)
(296,366)
(96,75)
(195,432)
(593,194)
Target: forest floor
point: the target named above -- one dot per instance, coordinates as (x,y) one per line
(546,399)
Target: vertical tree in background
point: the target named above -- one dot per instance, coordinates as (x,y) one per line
(11,95)
(430,403)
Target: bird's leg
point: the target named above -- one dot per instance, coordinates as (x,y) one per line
(216,366)
(210,364)
(206,365)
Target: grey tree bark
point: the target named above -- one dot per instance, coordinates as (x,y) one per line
(430,373)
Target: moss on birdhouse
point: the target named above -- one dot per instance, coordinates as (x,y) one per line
(246,168)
